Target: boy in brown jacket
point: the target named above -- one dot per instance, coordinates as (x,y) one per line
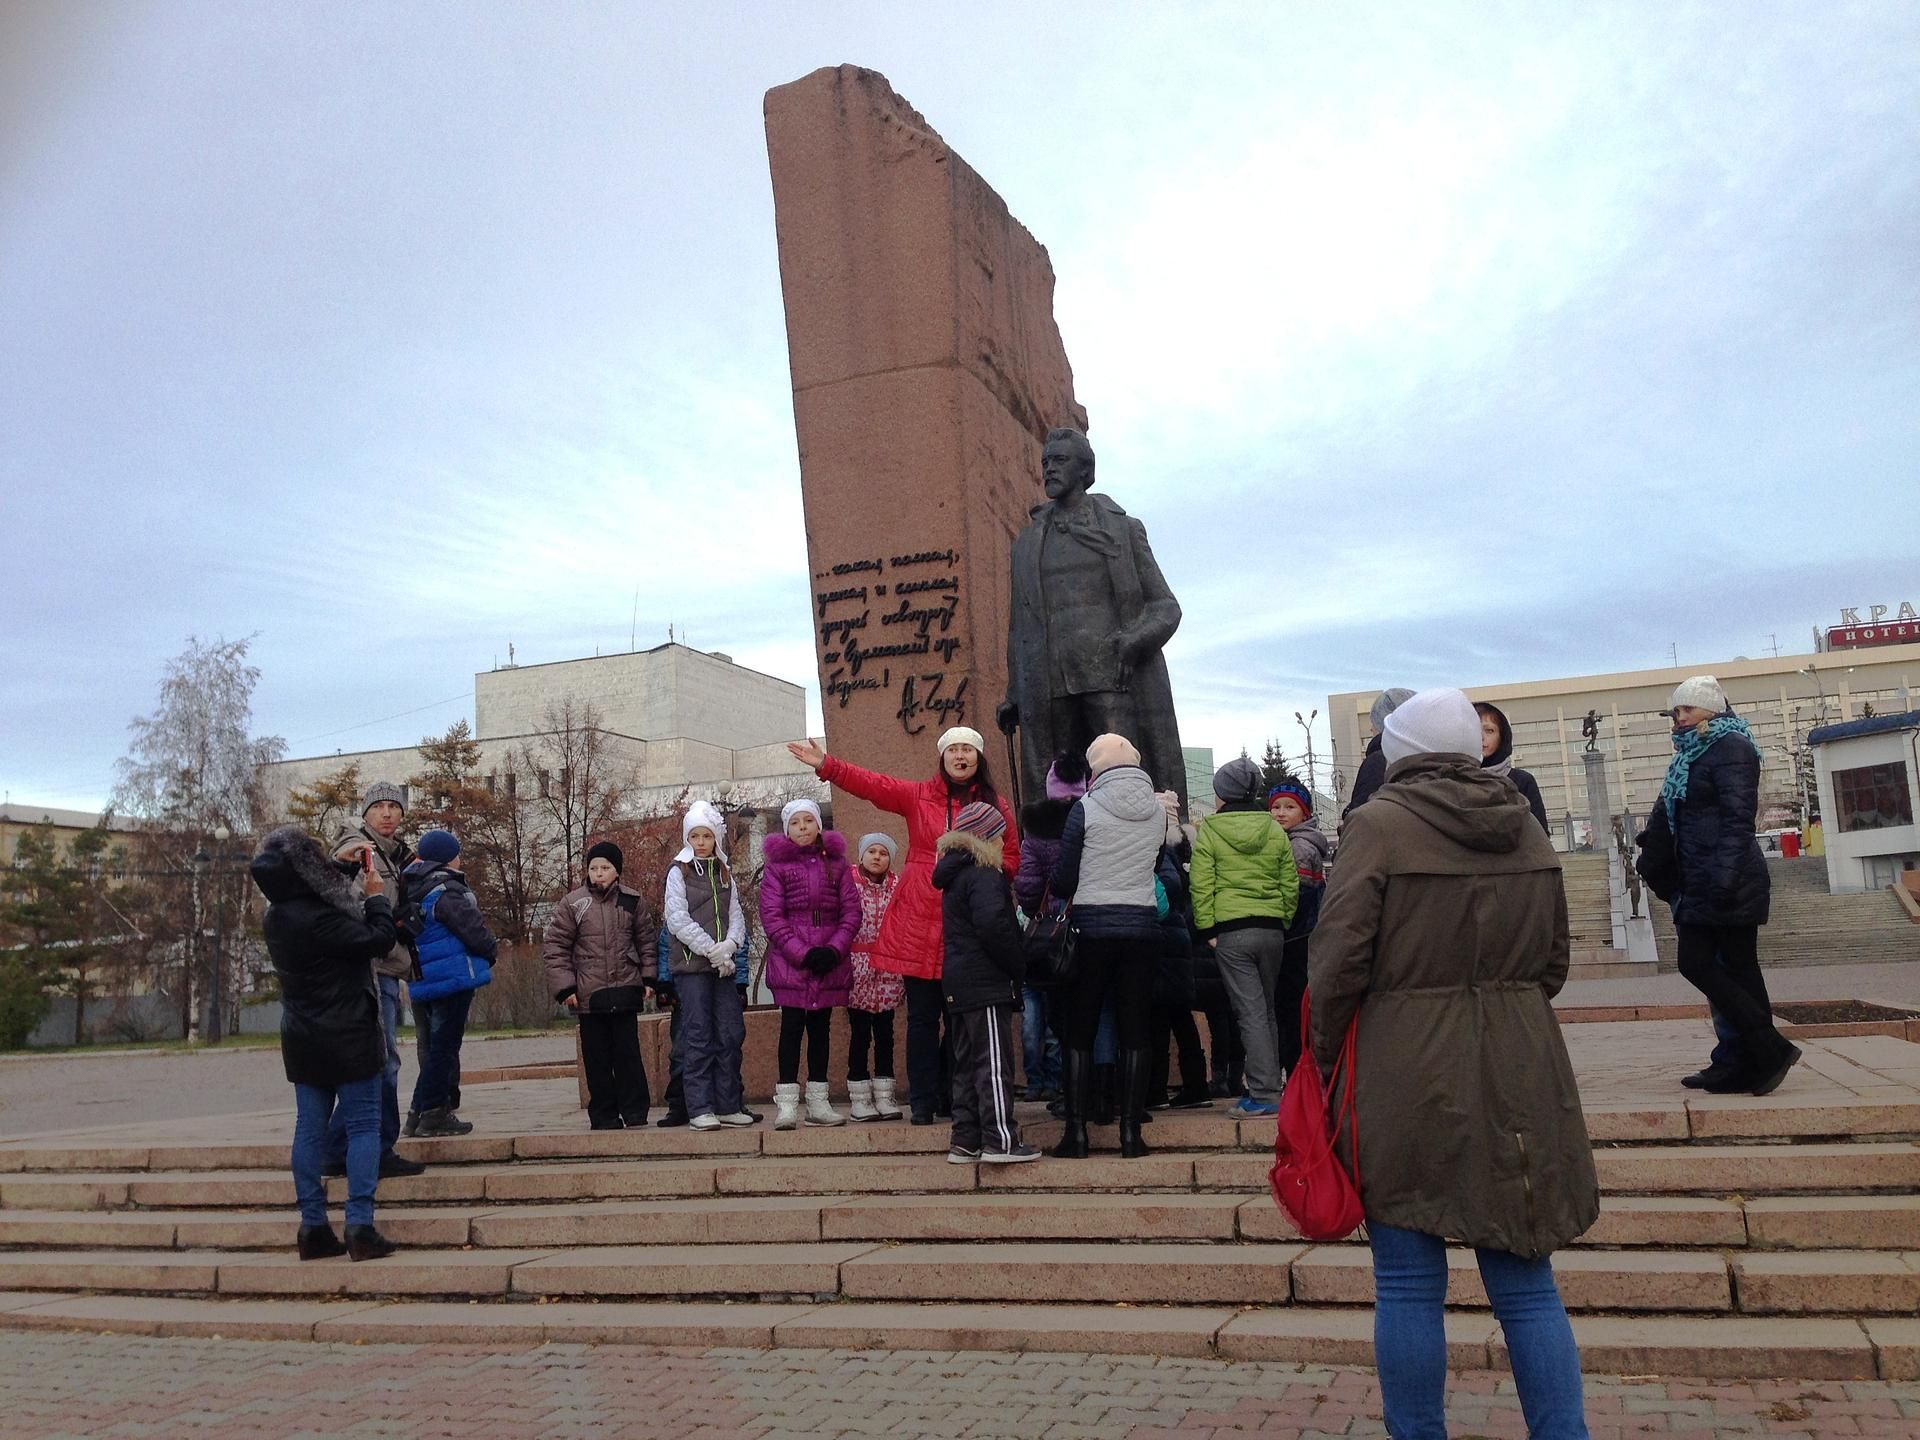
(599,959)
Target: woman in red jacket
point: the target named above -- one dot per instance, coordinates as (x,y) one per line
(910,936)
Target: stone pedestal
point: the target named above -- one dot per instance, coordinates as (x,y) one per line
(927,370)
(1599,800)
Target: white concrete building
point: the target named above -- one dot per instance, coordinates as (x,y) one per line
(685,723)
(1869,776)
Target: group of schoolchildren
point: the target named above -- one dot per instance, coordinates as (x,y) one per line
(1170,919)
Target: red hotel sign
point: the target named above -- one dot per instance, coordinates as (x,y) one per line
(1859,637)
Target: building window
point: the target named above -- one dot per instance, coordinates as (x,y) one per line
(1873,797)
(513,784)
(546,785)
(491,780)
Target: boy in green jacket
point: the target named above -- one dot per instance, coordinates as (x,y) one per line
(1245,890)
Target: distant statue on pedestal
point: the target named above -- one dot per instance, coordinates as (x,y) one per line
(1590,729)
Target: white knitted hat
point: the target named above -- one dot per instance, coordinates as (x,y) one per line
(798,807)
(1703,692)
(961,735)
(1433,722)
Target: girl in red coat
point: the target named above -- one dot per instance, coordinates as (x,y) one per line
(910,936)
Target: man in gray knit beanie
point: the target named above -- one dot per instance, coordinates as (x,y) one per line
(1373,765)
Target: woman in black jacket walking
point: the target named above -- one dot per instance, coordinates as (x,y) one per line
(323,943)
(1711,797)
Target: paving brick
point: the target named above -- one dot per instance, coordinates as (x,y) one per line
(1067,1273)
(1843,1282)
(742,1269)
(1032,1217)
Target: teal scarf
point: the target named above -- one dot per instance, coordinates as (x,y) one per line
(1689,746)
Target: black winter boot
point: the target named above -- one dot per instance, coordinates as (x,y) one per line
(366,1243)
(1076,1068)
(1133,1081)
(443,1121)
(318,1242)
(1101,1112)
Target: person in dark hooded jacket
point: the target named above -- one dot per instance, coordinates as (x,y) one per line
(1722,892)
(1372,773)
(981,967)
(1496,756)
(456,958)
(1042,823)
(323,943)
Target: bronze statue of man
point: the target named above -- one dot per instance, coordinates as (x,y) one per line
(1090,616)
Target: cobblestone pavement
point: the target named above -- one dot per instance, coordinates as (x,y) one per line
(86,1385)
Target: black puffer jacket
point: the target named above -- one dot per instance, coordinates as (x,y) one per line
(982,963)
(1369,778)
(323,943)
(1723,876)
(1173,986)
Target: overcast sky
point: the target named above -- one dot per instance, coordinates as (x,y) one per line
(1433,343)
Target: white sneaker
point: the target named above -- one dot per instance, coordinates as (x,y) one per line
(860,1100)
(883,1098)
(787,1097)
(704,1122)
(739,1117)
(819,1112)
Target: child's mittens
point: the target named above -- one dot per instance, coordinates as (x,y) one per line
(821,959)
(725,967)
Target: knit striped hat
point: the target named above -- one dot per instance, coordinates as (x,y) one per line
(1302,796)
(981,819)
(383,790)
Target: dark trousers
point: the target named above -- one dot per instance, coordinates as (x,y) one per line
(1116,968)
(676,1096)
(439,1027)
(1176,1025)
(929,1047)
(983,1079)
(1722,962)
(871,1029)
(1227,1049)
(814,1025)
(1286,999)
(616,1081)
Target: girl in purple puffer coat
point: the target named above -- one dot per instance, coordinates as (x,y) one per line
(811,912)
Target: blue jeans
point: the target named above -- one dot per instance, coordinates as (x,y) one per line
(1410,1345)
(389,1080)
(1040,1051)
(1105,1050)
(1726,1047)
(356,1106)
(440,1025)
(714,1031)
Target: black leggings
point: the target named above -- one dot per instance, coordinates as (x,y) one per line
(1723,964)
(795,1022)
(875,1026)
(1286,999)
(1120,968)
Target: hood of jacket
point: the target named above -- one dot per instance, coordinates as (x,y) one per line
(957,850)
(1045,819)
(781,851)
(1247,831)
(1504,750)
(291,864)
(1308,834)
(1465,803)
(1126,793)
(424,875)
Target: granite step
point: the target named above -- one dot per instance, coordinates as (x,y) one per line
(1670,1221)
(1709,1346)
(1036,1272)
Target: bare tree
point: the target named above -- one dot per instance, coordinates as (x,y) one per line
(502,833)
(578,783)
(190,771)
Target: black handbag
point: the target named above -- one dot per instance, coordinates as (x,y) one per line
(1052,946)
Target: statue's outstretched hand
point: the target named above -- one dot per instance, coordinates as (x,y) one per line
(807,753)
(1007,717)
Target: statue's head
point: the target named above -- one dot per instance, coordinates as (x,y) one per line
(1067,463)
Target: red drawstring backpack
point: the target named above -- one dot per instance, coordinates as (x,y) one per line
(1308,1180)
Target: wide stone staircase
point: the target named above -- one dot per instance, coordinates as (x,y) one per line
(1589,908)
(1738,1238)
(1809,926)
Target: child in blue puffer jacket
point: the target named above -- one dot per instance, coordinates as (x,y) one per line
(454,953)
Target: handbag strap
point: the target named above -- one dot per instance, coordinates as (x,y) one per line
(1346,1109)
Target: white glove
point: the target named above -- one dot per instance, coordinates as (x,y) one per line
(723,950)
(724,968)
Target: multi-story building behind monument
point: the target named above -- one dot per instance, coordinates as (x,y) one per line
(683,722)
(1782,697)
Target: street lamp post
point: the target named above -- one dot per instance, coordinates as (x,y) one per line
(1307,725)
